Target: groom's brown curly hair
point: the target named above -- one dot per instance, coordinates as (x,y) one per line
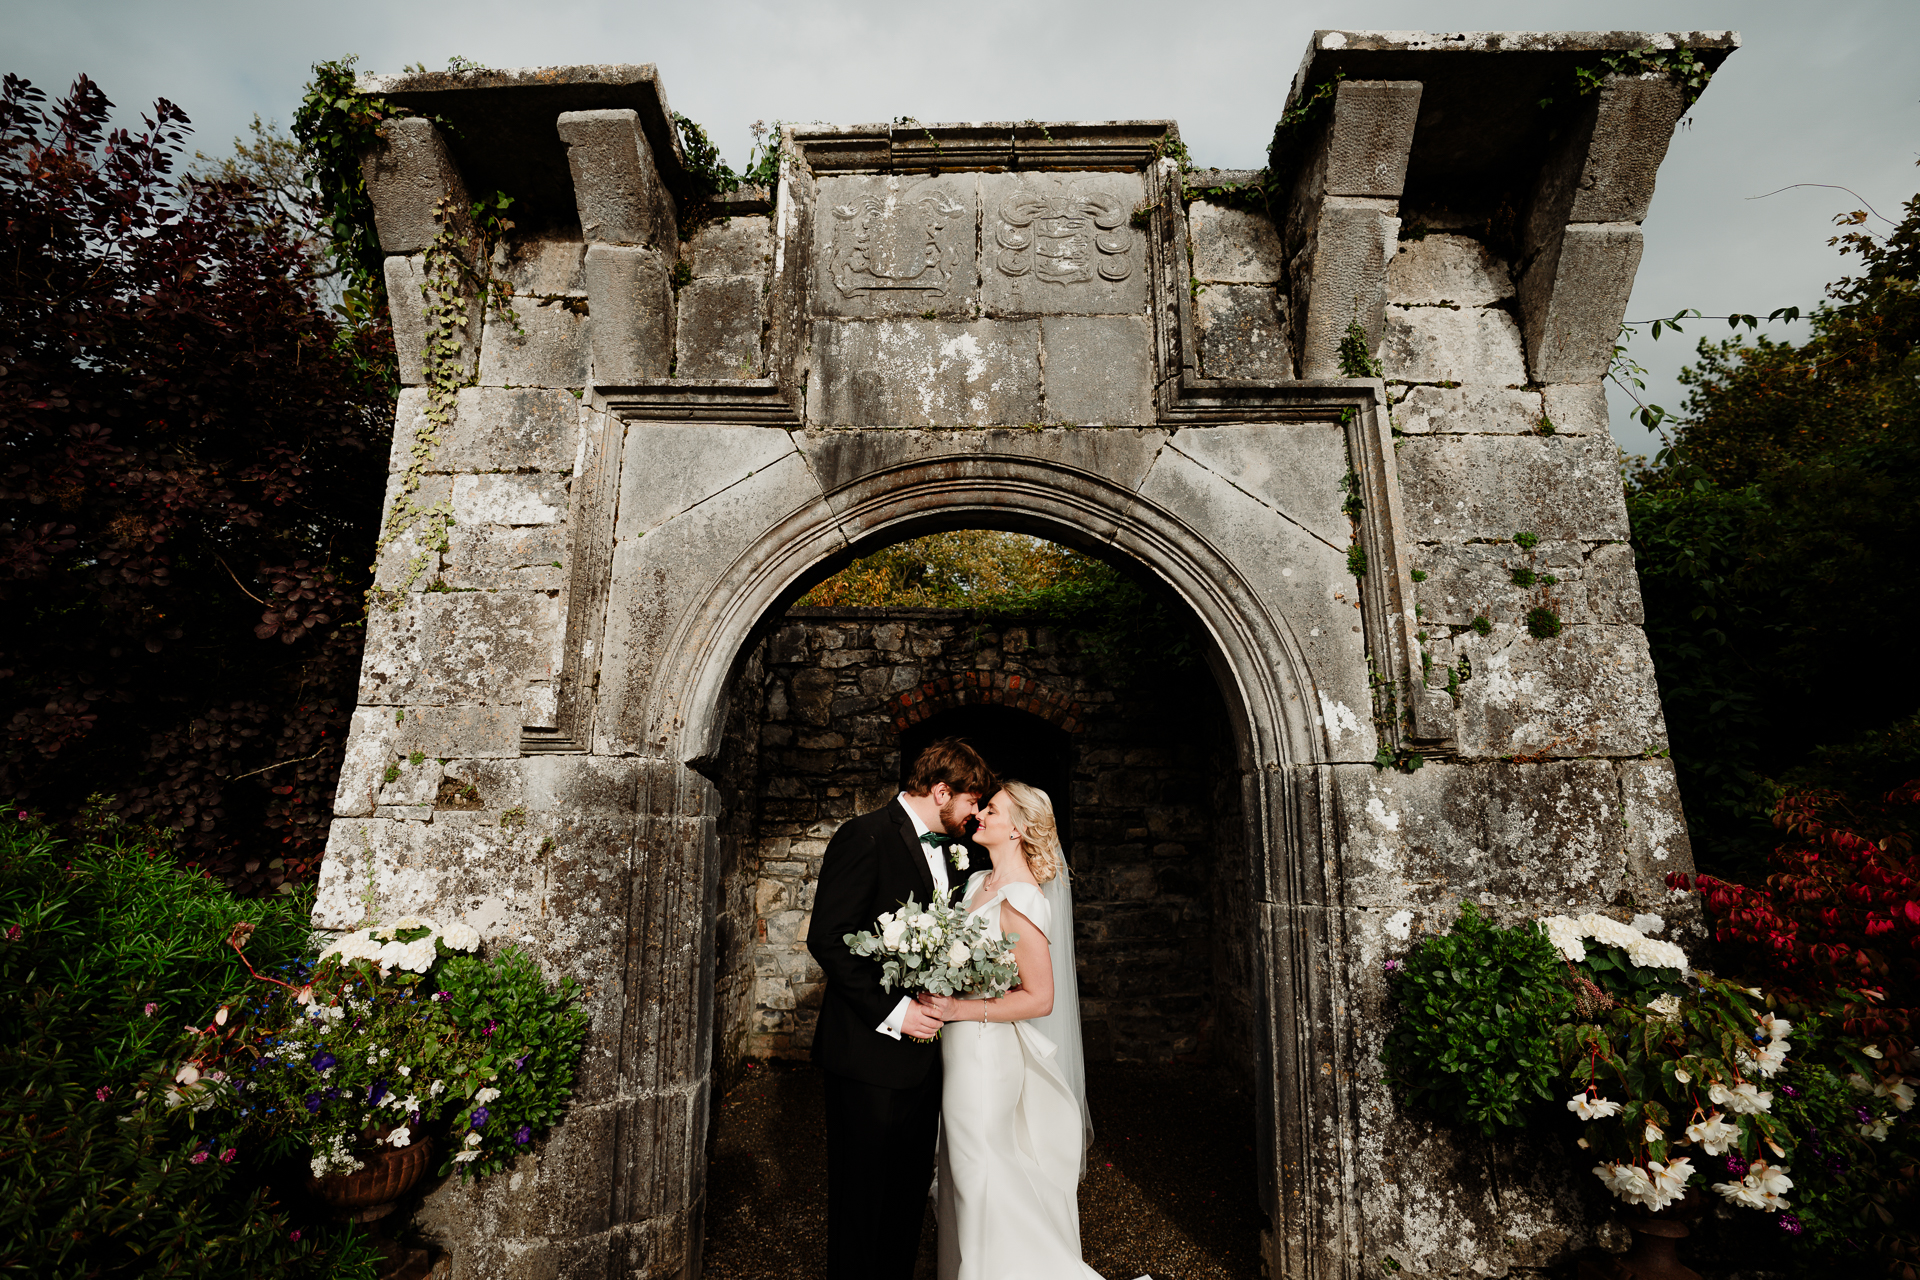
(953,762)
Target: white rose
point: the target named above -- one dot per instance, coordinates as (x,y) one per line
(958,955)
(893,933)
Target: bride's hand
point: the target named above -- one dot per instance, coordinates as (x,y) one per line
(941,1007)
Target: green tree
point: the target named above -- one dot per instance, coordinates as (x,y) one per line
(1777,542)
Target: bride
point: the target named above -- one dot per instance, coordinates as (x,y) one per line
(1013,1111)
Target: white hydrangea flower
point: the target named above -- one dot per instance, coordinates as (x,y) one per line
(1607,930)
(460,937)
(1564,933)
(1651,953)
(418,956)
(413,922)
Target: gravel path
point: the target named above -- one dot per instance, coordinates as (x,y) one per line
(1170,1189)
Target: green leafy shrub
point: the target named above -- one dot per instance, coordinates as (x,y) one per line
(105,948)
(1474,1040)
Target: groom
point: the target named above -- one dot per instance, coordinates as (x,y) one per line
(882,1085)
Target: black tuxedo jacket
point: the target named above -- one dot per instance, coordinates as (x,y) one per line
(872,864)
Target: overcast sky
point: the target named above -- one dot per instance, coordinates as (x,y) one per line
(1821,93)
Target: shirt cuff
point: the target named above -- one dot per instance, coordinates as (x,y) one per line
(896,1019)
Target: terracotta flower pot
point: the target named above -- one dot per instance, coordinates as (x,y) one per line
(389,1173)
(1656,1239)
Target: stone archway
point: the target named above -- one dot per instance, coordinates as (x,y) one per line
(673,435)
(985,689)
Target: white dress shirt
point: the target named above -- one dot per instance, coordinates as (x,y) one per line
(936,863)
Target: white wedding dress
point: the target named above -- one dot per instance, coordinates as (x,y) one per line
(1014,1126)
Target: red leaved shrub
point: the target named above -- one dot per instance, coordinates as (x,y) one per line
(191,462)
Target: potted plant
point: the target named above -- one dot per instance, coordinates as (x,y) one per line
(1687,1086)
(395,1038)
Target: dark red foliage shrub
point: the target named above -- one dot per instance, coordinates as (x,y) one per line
(190,478)
(1841,908)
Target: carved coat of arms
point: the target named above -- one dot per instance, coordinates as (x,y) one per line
(1064,239)
(911,242)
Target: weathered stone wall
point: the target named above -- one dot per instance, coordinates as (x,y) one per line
(702,406)
(1150,847)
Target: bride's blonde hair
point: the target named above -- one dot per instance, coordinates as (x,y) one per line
(1039,834)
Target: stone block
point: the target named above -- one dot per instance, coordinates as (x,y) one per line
(406,304)
(543,345)
(1242,332)
(1657,840)
(1099,370)
(741,246)
(408,173)
(1535,834)
(1440,344)
(470,732)
(1372,137)
(1613,585)
(1234,246)
(493,785)
(668,469)
(718,335)
(1347,279)
(1588,691)
(415,784)
(542,266)
(899,245)
(511,429)
(1468,410)
(1456,488)
(617,189)
(1062,244)
(631,293)
(528,558)
(1296,574)
(369,751)
(1603,169)
(497,499)
(1573,297)
(1576,408)
(1475,579)
(1446,268)
(924,373)
(470,647)
(408,562)
(1297,468)
(409,416)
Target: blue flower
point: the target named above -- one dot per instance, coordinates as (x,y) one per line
(480,1117)
(314,1103)
(325,1062)
(523,1134)
(376,1091)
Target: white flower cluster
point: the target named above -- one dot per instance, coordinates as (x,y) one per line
(1655,1185)
(382,945)
(335,1157)
(1768,1058)
(940,949)
(1764,1187)
(1569,934)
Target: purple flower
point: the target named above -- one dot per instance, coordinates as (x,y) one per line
(520,1063)
(491,1024)
(1866,1116)
(314,1103)
(441,995)
(293,1235)
(1789,1090)
(1394,966)
(523,1134)
(1736,1166)
(480,1117)
(1790,1224)
(325,1062)
(376,1091)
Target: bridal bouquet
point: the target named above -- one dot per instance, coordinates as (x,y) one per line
(940,949)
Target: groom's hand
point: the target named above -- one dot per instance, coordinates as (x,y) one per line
(919,1023)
